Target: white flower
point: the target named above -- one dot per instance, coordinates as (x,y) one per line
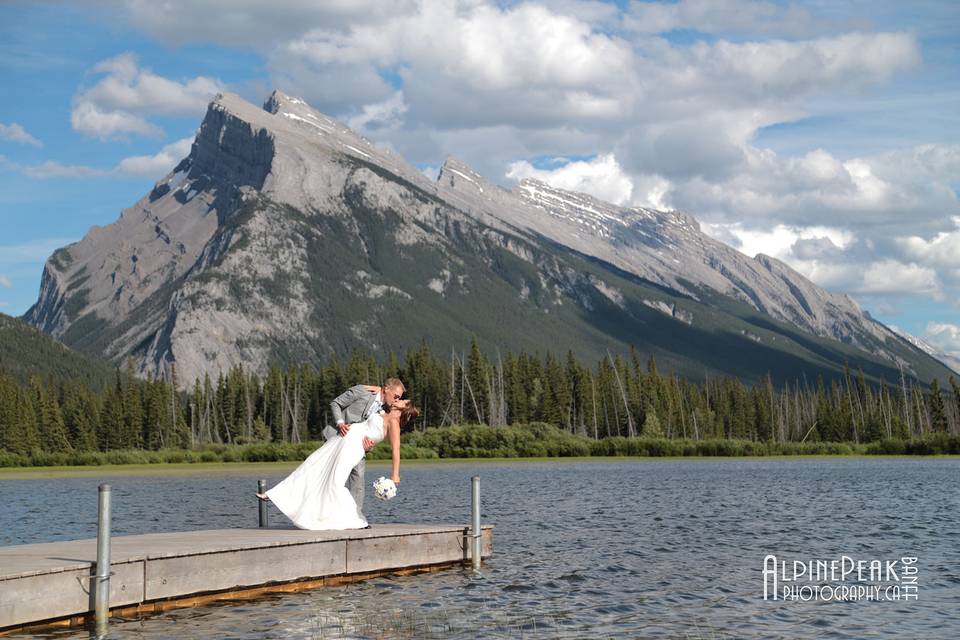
(384,488)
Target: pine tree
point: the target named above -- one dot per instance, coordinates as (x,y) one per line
(651,425)
(478,383)
(131,434)
(81,416)
(18,431)
(938,413)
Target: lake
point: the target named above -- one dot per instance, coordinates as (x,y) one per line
(617,548)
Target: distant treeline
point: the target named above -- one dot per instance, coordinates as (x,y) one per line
(619,397)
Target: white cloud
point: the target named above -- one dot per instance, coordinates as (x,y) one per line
(92,120)
(17,133)
(252,22)
(149,166)
(720,16)
(5,282)
(467,63)
(126,94)
(32,251)
(905,189)
(378,115)
(601,177)
(943,250)
(53,169)
(780,240)
(890,276)
(158,164)
(945,337)
(679,122)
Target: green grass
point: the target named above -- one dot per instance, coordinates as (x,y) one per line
(473,443)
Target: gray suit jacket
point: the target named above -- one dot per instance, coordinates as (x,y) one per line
(353,405)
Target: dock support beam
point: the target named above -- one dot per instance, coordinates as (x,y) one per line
(101,601)
(261,489)
(477,535)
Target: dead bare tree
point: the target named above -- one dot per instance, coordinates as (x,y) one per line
(623,394)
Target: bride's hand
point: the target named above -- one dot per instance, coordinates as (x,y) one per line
(396,479)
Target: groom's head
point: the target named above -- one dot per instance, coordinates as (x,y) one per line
(392,389)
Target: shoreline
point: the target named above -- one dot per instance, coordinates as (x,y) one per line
(192,468)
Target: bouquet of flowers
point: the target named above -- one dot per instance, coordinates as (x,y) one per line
(384,488)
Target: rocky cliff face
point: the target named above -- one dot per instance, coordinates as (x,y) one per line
(668,248)
(285,236)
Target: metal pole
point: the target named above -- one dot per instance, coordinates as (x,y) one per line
(262,488)
(101,602)
(477,533)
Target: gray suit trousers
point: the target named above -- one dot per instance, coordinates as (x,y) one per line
(355,480)
(355,485)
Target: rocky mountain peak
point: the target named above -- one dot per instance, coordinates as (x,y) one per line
(457,174)
(278,100)
(235,256)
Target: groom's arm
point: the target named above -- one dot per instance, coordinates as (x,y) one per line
(343,401)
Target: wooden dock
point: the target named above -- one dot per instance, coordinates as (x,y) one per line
(50,583)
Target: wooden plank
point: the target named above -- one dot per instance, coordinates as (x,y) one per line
(41,583)
(177,576)
(64,593)
(371,554)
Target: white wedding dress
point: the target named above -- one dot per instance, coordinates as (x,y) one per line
(315,495)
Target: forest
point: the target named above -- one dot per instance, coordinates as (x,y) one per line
(622,396)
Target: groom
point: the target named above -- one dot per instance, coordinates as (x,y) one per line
(357,404)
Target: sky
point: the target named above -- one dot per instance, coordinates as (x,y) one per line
(825,134)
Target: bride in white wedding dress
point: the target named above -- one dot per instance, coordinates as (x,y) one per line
(315,495)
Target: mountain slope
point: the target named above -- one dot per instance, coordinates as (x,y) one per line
(26,351)
(284,236)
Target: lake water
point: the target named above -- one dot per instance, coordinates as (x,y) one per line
(618,549)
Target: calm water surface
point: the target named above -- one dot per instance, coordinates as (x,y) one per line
(619,549)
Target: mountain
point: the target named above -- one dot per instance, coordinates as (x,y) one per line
(26,351)
(944,357)
(285,236)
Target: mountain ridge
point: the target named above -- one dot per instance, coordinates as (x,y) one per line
(270,241)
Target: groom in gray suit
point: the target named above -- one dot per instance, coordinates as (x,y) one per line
(356,404)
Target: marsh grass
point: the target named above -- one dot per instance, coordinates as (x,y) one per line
(537,440)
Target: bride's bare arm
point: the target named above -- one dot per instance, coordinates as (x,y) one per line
(394,435)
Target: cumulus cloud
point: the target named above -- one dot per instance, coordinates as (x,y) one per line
(378,115)
(945,337)
(251,22)
(125,95)
(675,121)
(157,164)
(601,177)
(151,166)
(890,276)
(17,133)
(720,16)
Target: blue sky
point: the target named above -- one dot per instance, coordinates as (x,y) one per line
(826,134)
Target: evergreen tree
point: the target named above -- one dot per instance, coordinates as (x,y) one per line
(81,417)
(938,413)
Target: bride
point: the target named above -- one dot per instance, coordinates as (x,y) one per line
(315,495)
